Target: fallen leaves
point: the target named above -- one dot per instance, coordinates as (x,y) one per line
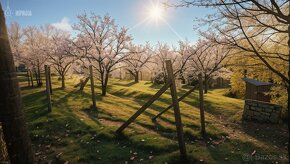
(132,158)
(38,153)
(58,155)
(253,153)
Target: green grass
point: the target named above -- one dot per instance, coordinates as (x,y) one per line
(73,132)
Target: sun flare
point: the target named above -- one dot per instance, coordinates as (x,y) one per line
(156,12)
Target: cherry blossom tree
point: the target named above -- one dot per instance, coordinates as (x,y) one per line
(184,53)
(138,60)
(33,55)
(15,34)
(163,52)
(57,51)
(208,58)
(104,45)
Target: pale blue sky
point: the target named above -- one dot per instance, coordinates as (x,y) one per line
(127,13)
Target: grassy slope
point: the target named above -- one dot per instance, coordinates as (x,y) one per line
(72,132)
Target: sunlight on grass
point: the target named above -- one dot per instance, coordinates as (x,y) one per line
(89,136)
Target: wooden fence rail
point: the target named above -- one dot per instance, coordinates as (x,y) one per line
(178,123)
(171,105)
(144,107)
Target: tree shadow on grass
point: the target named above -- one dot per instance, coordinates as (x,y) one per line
(35,105)
(127,84)
(62,121)
(234,150)
(23,88)
(78,96)
(274,134)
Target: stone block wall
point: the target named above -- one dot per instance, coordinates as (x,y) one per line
(262,111)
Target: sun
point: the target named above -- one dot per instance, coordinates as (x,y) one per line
(156,12)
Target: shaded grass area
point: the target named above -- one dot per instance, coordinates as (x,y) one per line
(73,132)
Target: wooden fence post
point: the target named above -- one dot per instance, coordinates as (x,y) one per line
(120,75)
(28,78)
(93,88)
(36,77)
(178,122)
(31,77)
(39,76)
(47,88)
(49,77)
(201,105)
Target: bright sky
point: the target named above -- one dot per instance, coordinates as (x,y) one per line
(166,25)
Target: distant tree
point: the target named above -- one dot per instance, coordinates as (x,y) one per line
(15,34)
(34,43)
(208,59)
(78,49)
(57,51)
(184,53)
(138,60)
(163,52)
(11,113)
(104,43)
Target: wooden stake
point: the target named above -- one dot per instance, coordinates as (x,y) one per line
(120,75)
(36,77)
(178,122)
(171,105)
(201,105)
(31,77)
(47,88)
(93,88)
(144,107)
(49,77)
(28,78)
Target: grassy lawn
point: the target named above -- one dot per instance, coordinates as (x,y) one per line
(74,133)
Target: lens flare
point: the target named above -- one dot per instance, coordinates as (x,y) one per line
(156,12)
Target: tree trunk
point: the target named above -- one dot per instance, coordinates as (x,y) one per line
(205,87)
(288,108)
(62,81)
(104,84)
(205,84)
(3,148)
(11,113)
(136,77)
(83,83)
(288,91)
